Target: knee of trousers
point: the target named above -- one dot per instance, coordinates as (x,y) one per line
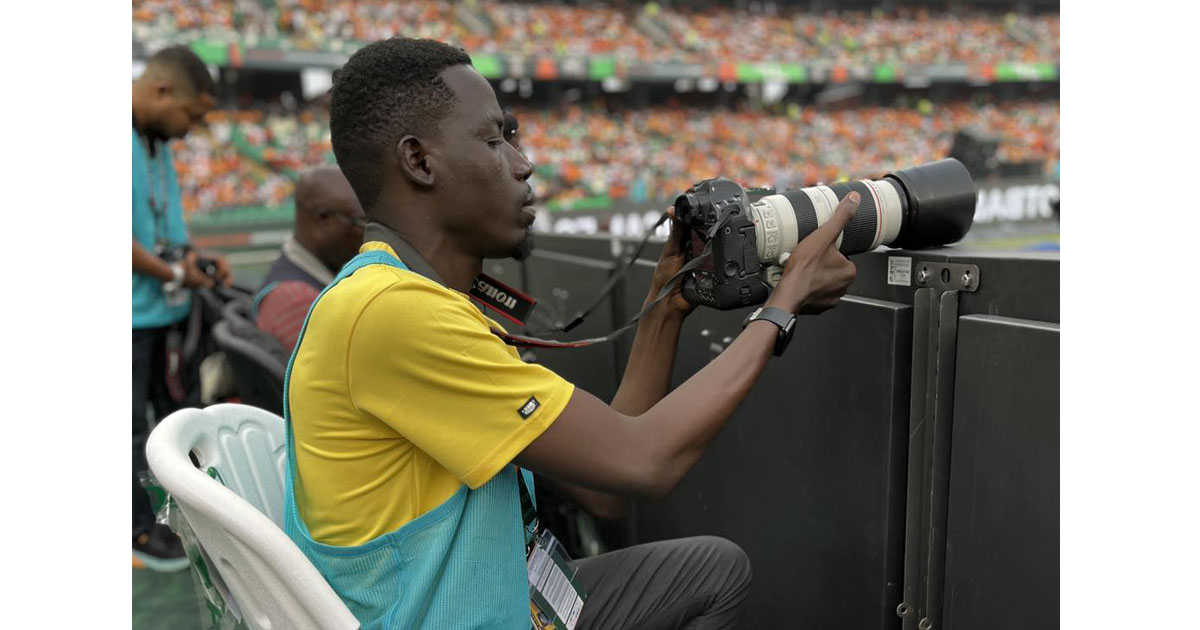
(729,556)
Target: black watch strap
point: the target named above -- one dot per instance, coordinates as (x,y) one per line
(781,318)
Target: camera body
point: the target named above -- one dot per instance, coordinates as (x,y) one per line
(176,253)
(734,237)
(175,293)
(734,276)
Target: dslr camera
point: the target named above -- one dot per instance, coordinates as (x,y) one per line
(174,293)
(739,234)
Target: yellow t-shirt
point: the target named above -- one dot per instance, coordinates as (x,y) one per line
(399,393)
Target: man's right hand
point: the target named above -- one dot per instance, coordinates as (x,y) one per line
(816,275)
(193,278)
(648,453)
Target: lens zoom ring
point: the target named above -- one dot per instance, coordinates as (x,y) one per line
(860,232)
(806,215)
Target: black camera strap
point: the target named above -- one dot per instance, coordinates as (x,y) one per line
(668,287)
(612,282)
(529,517)
(376,231)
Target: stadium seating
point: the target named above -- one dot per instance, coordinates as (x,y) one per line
(908,35)
(626,32)
(247,158)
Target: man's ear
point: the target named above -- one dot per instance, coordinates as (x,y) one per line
(414,162)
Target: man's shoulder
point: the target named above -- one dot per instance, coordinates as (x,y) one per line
(373,280)
(392,293)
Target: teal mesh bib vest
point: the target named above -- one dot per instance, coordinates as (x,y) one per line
(461,565)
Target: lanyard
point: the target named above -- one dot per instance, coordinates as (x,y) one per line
(529,515)
(156,182)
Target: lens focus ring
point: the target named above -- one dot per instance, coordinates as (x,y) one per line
(774,227)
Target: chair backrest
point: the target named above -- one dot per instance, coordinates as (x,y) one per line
(236,512)
(255,358)
(237,309)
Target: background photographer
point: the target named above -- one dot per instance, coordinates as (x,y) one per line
(169,98)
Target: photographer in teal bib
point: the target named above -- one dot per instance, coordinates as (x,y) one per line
(406,412)
(169,98)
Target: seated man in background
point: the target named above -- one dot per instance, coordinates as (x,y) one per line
(327,233)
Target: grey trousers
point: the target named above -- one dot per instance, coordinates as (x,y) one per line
(695,583)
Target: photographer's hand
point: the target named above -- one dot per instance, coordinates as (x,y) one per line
(644,445)
(647,375)
(816,275)
(224,275)
(193,278)
(669,263)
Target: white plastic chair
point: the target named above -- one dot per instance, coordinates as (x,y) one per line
(238,524)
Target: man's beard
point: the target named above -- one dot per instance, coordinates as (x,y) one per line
(524,247)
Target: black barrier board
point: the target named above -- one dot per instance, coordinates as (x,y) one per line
(1002,568)
(808,476)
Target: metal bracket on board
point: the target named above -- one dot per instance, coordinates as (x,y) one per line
(948,276)
(931,411)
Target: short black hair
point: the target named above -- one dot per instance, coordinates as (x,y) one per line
(180,63)
(387,90)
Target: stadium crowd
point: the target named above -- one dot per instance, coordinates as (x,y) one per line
(250,157)
(656,153)
(775,34)
(907,35)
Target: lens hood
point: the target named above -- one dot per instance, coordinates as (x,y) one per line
(941,203)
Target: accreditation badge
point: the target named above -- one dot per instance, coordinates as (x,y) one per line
(555,599)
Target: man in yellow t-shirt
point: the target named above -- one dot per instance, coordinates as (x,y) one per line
(407,411)
(404,377)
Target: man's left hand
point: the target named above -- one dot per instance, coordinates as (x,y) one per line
(669,263)
(224,274)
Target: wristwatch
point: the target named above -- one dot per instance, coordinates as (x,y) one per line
(781,318)
(177,275)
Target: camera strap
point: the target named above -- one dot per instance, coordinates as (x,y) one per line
(668,286)
(486,292)
(612,282)
(506,301)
